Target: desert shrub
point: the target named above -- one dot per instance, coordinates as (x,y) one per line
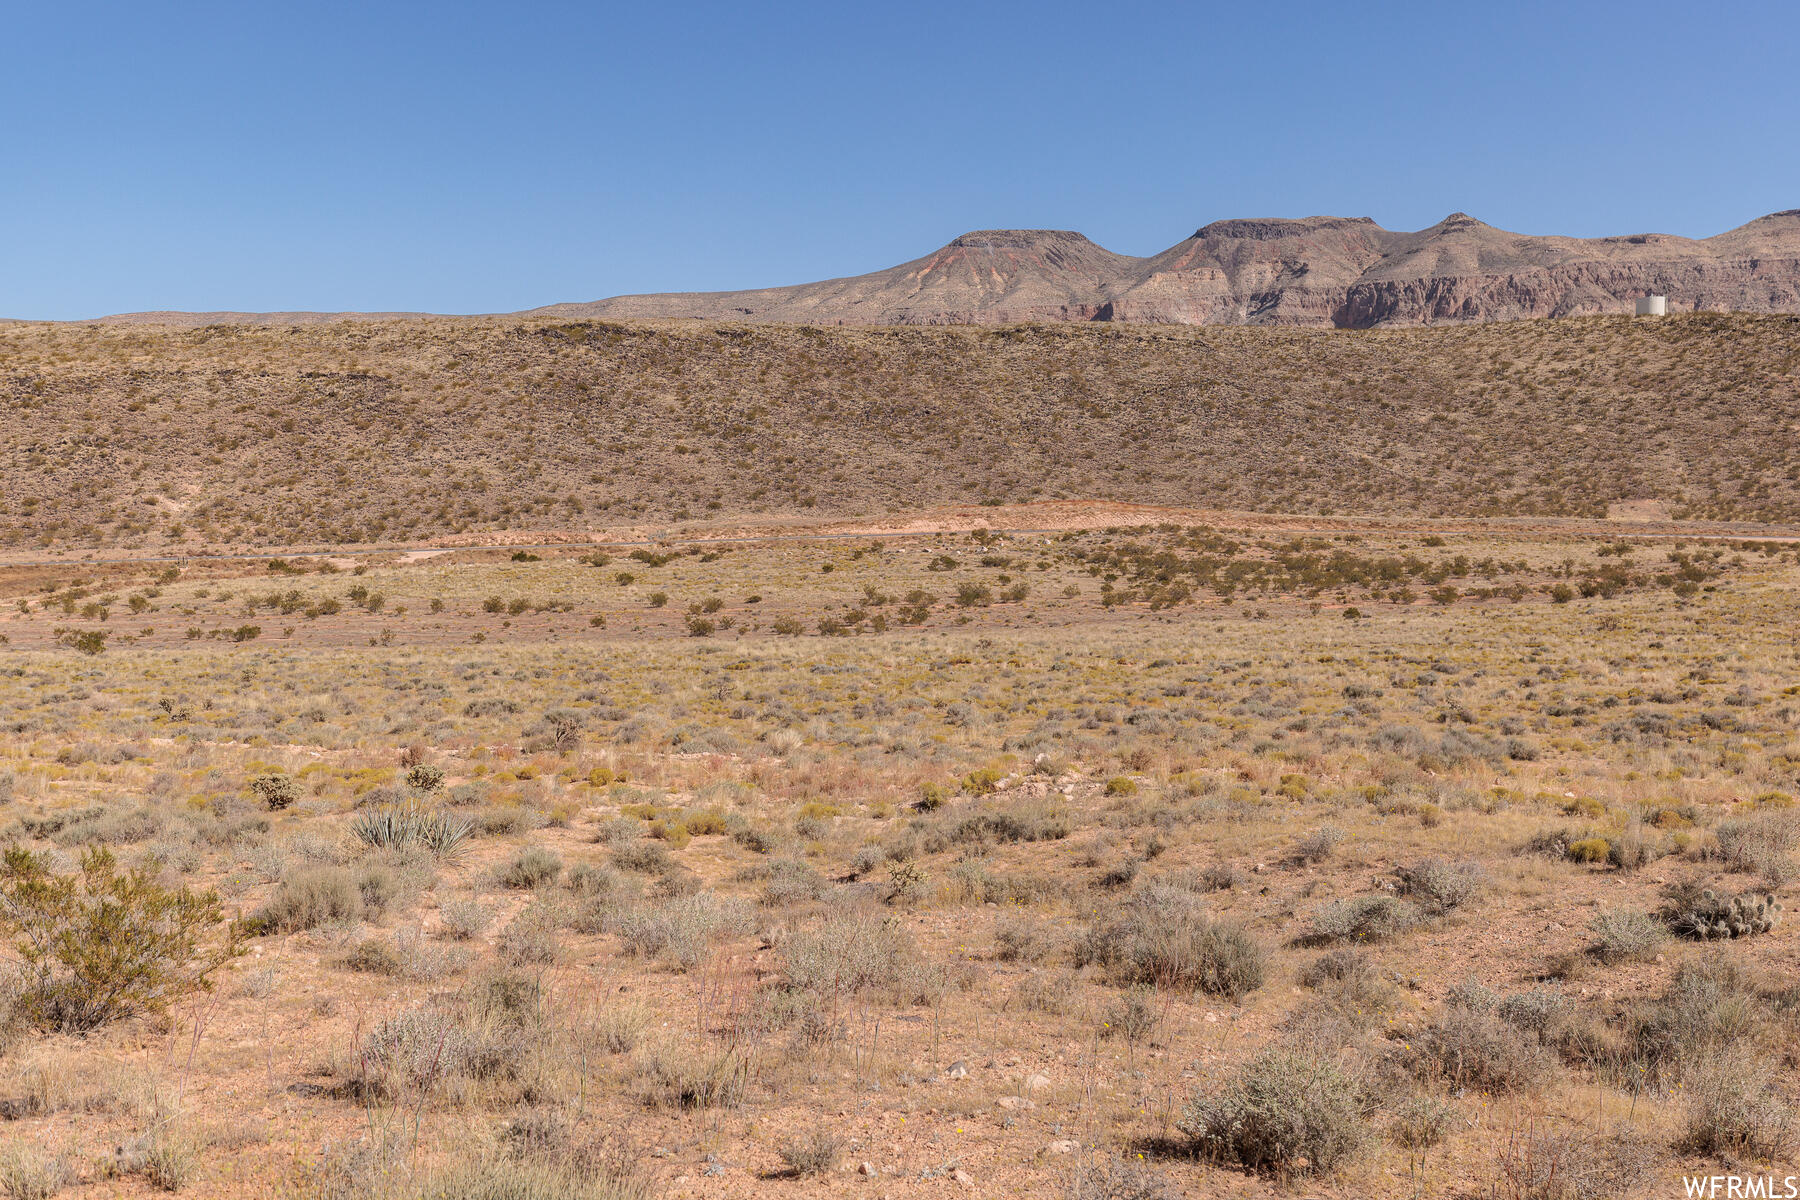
(490,706)
(812,1153)
(681,932)
(464,919)
(1544,1162)
(425,777)
(1318,845)
(275,791)
(1439,887)
(589,880)
(1348,984)
(1162,935)
(1121,1179)
(1364,919)
(99,944)
(508,820)
(309,897)
(1018,940)
(1632,848)
(1289,1110)
(1420,1122)
(971,881)
(1734,1111)
(791,881)
(847,954)
(30,1173)
(1474,1047)
(1039,821)
(1336,966)
(1133,1016)
(982,781)
(1706,1006)
(531,867)
(529,939)
(424,1049)
(1763,845)
(1590,850)
(1624,935)
(1047,991)
(694,1081)
(1219,877)
(373,956)
(104,826)
(644,856)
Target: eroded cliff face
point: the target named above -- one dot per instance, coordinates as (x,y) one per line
(1346,272)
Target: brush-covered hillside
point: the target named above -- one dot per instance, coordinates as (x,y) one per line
(142,436)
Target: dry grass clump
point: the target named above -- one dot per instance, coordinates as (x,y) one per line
(1162,935)
(1364,919)
(1568,1162)
(684,1079)
(1475,1047)
(309,897)
(425,1049)
(812,1153)
(851,954)
(1762,845)
(1625,935)
(1288,1111)
(32,1173)
(1440,887)
(531,867)
(681,932)
(1735,1110)
(1114,1178)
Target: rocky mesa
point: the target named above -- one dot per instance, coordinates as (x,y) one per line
(1344,272)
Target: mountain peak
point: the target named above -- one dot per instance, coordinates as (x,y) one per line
(1456,222)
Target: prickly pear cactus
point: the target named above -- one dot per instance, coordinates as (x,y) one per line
(1709,916)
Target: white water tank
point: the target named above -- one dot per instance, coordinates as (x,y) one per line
(1653,306)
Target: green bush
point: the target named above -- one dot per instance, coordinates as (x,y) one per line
(99,944)
(981,781)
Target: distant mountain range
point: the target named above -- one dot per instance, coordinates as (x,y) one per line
(1346,272)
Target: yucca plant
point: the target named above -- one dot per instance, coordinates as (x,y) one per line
(407,825)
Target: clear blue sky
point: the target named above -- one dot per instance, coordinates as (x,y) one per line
(461,157)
